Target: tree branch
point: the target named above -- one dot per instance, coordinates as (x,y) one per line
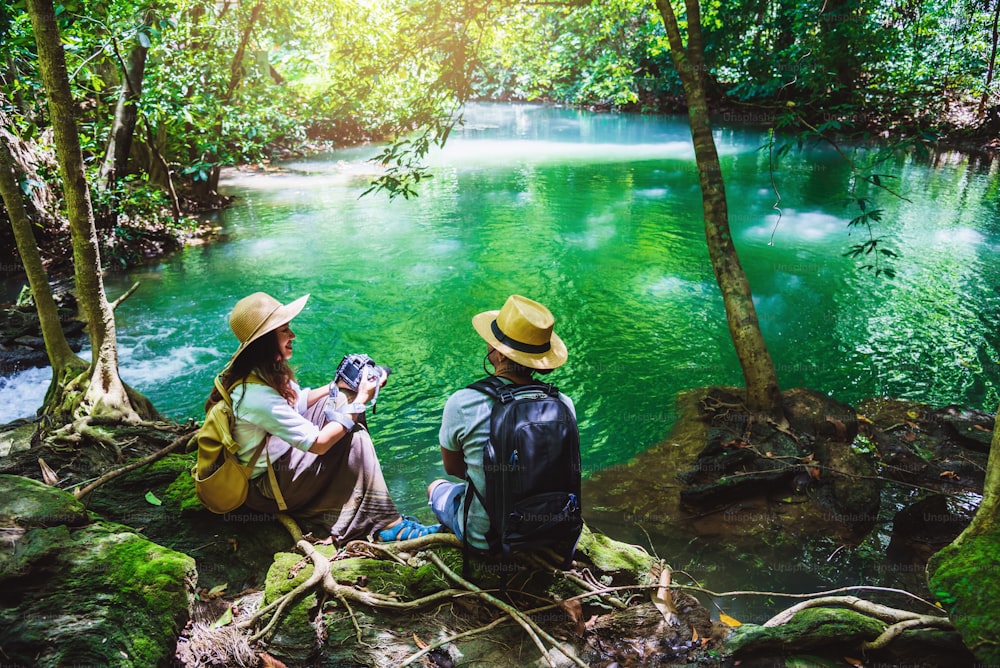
(159,454)
(125,295)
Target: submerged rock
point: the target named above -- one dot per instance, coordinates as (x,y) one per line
(81,591)
(721,474)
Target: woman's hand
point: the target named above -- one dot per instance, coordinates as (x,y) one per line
(366,389)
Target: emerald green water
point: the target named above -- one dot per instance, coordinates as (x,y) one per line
(598,217)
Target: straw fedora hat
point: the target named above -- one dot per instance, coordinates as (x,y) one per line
(522,331)
(259,313)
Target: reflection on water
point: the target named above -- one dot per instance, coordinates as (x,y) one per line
(599,217)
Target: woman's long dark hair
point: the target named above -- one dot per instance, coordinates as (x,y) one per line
(262,358)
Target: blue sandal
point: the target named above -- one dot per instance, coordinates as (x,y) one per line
(408,529)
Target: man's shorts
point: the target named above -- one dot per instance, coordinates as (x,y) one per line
(445,501)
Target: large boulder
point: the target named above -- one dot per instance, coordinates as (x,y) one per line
(75,590)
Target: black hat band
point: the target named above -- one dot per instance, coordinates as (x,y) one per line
(518,345)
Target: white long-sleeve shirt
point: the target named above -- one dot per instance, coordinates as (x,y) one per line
(260,410)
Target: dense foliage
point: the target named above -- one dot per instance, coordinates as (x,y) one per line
(851,63)
(229,83)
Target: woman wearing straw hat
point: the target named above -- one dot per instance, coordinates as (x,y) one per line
(323,460)
(519,343)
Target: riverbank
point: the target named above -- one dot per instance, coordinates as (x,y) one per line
(245,561)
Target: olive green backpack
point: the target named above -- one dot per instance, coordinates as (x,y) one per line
(220,481)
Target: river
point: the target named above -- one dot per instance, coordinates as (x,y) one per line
(599,217)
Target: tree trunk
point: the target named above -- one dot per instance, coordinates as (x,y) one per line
(763,396)
(991,64)
(126,112)
(236,70)
(985,519)
(963,575)
(66,365)
(105,394)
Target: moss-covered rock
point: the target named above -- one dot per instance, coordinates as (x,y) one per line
(85,592)
(28,504)
(294,635)
(611,556)
(234,549)
(965,579)
(827,635)
(809,630)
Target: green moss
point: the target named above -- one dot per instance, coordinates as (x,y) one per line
(384,577)
(809,629)
(94,595)
(30,503)
(966,581)
(180,494)
(294,633)
(613,556)
(149,571)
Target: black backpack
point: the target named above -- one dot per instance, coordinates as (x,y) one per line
(532,467)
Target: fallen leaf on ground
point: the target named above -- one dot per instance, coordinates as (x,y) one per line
(574,610)
(729,621)
(268,661)
(49,476)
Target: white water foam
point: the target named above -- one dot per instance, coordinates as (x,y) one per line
(151,372)
(23,393)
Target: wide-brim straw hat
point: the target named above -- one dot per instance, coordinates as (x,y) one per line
(522,331)
(260,313)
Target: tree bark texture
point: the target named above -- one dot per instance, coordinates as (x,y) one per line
(126,114)
(763,396)
(105,394)
(985,519)
(62,358)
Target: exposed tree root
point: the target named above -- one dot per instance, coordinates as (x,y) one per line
(898,620)
(535,632)
(323,580)
(882,612)
(895,630)
(159,454)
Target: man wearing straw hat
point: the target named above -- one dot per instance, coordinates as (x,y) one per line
(323,459)
(520,342)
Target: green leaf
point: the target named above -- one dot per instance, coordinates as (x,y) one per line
(225,619)
(152,500)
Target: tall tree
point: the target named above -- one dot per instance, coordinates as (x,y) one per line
(102,393)
(119,145)
(763,396)
(991,61)
(66,365)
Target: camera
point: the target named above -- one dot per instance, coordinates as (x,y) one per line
(354,369)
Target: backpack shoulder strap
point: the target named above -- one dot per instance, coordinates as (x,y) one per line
(491,385)
(222,390)
(261,447)
(504,392)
